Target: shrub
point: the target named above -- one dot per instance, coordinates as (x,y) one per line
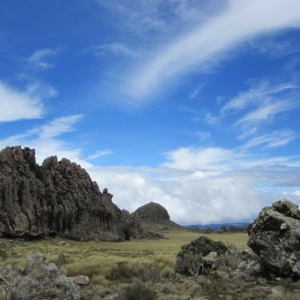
(189,264)
(39,280)
(189,260)
(167,272)
(214,287)
(230,260)
(139,291)
(3,254)
(204,246)
(148,272)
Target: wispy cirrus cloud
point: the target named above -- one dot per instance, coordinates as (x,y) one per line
(211,42)
(58,126)
(258,93)
(99,154)
(272,140)
(276,47)
(112,48)
(266,112)
(160,17)
(38,60)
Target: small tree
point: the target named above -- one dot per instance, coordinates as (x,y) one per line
(39,280)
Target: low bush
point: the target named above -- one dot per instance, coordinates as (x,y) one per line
(3,254)
(139,291)
(148,272)
(189,260)
(38,280)
(204,246)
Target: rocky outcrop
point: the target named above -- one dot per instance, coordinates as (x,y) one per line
(275,237)
(152,212)
(58,197)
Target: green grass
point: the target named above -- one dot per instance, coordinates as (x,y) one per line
(101,259)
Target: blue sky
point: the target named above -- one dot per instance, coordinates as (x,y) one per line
(191,104)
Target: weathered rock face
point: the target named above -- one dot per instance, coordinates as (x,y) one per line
(275,237)
(151,212)
(57,197)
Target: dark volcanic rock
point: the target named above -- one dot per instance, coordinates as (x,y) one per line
(151,212)
(57,197)
(275,237)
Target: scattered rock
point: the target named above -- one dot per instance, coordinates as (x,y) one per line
(81,280)
(209,261)
(63,243)
(275,237)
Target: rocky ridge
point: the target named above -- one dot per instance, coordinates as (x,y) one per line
(58,197)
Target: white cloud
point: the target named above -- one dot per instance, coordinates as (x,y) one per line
(240,158)
(210,41)
(45,140)
(276,47)
(38,59)
(266,112)
(195,198)
(247,133)
(148,16)
(258,93)
(297,193)
(99,154)
(58,126)
(15,105)
(112,48)
(203,136)
(275,139)
(203,158)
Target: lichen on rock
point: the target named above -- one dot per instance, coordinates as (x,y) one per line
(275,237)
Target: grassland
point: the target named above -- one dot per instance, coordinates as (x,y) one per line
(113,266)
(99,259)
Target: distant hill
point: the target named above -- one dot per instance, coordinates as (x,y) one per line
(155,217)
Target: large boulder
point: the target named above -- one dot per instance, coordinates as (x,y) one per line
(275,237)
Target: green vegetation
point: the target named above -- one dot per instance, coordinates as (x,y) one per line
(38,280)
(138,290)
(145,269)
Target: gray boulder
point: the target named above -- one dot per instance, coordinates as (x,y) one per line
(275,237)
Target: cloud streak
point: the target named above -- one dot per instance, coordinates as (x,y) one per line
(38,59)
(113,48)
(266,112)
(211,41)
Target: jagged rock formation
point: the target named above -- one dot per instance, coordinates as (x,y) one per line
(275,237)
(57,197)
(153,212)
